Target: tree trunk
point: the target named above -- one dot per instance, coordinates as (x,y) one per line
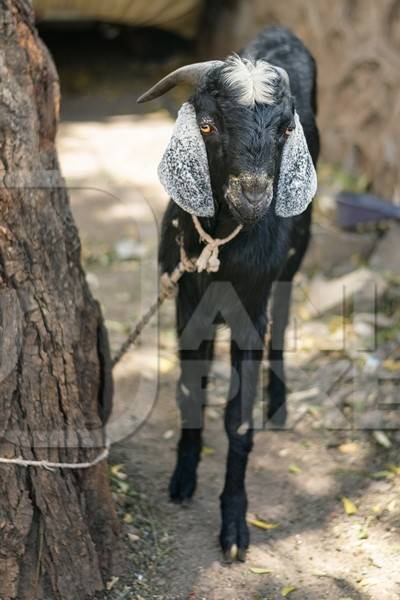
(57,528)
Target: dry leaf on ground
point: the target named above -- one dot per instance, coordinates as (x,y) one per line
(349,506)
(260,570)
(261,524)
(288,589)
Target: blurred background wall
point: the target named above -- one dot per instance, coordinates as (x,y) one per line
(357,47)
(180,16)
(356,44)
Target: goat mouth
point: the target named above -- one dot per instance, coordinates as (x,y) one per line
(243,211)
(249,196)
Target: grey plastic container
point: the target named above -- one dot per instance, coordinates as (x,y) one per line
(355,209)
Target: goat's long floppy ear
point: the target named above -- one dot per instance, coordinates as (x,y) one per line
(297,183)
(183,170)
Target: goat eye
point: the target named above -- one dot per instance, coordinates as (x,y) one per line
(207,128)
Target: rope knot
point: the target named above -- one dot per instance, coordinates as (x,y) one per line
(208,259)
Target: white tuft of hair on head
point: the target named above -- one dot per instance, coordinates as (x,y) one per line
(253,82)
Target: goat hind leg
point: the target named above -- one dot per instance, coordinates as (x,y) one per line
(276,389)
(191,397)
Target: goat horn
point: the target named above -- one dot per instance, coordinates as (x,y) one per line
(191,74)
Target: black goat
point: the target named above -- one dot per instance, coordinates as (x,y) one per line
(238,155)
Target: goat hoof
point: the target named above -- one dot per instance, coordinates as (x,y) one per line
(231,554)
(235,553)
(182,486)
(235,536)
(241,555)
(234,541)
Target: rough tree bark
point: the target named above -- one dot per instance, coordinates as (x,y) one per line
(57,529)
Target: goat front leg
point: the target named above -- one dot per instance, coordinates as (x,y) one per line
(234,536)
(191,398)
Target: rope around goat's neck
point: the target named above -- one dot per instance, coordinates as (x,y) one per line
(206,237)
(207,261)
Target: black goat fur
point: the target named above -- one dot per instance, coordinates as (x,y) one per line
(266,252)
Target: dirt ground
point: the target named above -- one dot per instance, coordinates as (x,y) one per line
(303,481)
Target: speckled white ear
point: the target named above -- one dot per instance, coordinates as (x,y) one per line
(297,183)
(183,170)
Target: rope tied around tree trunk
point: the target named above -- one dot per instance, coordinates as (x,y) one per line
(207,261)
(50,466)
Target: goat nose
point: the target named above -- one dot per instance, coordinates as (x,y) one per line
(254,196)
(253,193)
